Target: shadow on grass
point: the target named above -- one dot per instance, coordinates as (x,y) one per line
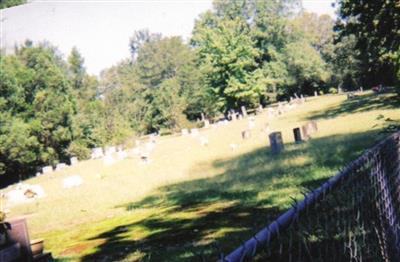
(199,219)
(360,103)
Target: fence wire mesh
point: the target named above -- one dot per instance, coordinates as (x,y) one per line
(354,216)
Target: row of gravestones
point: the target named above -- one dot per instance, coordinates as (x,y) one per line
(59,166)
(307,130)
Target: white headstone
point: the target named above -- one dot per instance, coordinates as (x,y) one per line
(97,152)
(111,150)
(72,181)
(206,123)
(194,132)
(122,155)
(244,112)
(73,161)
(60,166)
(47,169)
(185,132)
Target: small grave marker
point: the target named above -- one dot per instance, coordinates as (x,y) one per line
(185,132)
(276,142)
(60,166)
(73,161)
(297,135)
(47,169)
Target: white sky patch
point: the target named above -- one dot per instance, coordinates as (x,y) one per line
(101,29)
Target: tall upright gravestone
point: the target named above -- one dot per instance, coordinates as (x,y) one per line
(276,142)
(244,112)
(297,135)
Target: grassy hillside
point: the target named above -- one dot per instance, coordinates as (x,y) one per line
(191,196)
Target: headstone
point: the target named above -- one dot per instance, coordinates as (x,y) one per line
(276,142)
(73,161)
(108,160)
(361,89)
(19,234)
(233,115)
(38,174)
(315,93)
(97,152)
(202,117)
(240,117)
(72,181)
(47,169)
(10,253)
(314,126)
(206,123)
(194,132)
(111,150)
(305,131)
(246,134)
(185,132)
(244,112)
(297,135)
(302,99)
(121,155)
(60,166)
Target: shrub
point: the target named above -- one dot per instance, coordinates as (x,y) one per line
(333,90)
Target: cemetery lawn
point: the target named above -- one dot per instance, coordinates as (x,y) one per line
(192,200)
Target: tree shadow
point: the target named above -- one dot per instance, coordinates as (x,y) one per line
(201,218)
(360,103)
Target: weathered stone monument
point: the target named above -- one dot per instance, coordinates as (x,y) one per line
(276,142)
(315,93)
(244,112)
(297,135)
(309,129)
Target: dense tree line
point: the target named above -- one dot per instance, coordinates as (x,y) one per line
(244,52)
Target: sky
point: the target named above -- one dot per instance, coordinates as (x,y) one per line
(101,29)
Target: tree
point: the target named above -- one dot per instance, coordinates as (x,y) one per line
(228,61)
(11,3)
(375,25)
(76,68)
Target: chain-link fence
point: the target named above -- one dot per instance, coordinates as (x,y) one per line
(354,216)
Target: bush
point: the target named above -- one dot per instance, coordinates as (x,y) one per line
(333,90)
(78,149)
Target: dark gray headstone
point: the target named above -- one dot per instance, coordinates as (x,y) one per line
(276,142)
(297,135)
(10,253)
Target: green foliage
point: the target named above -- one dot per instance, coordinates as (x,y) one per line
(10,3)
(333,90)
(375,27)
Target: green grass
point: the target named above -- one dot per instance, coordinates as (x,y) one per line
(194,200)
